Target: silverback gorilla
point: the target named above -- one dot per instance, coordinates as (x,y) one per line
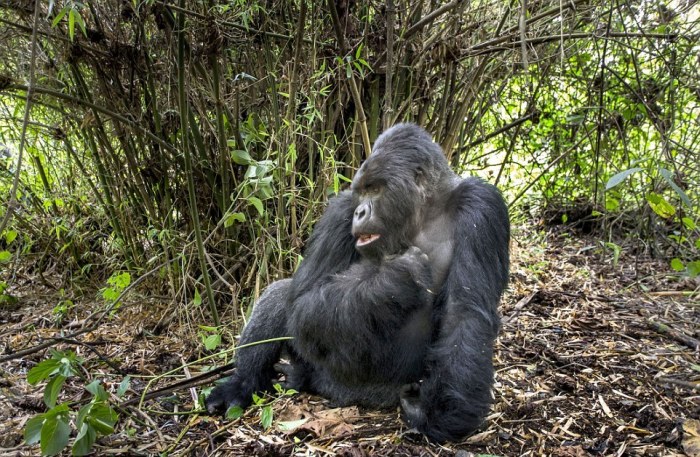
(396,299)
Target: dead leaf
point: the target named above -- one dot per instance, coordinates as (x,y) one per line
(691,438)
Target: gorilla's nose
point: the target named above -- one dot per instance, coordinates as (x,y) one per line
(362,213)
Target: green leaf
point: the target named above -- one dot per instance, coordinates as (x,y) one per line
(71,24)
(54,435)
(102,417)
(255,201)
(677,265)
(233,217)
(618,178)
(10,236)
(668,177)
(124,386)
(120,281)
(660,205)
(42,371)
(266,417)
(52,389)
(32,430)
(59,16)
(197,300)
(211,342)
(693,268)
(689,223)
(96,389)
(80,21)
(5,256)
(85,440)
(241,157)
(234,412)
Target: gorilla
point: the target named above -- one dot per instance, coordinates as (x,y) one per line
(396,299)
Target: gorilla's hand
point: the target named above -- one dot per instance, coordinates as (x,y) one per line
(411,408)
(415,263)
(296,375)
(234,392)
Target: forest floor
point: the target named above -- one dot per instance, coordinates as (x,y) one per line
(584,367)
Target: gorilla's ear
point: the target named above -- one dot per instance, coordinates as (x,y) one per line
(421,179)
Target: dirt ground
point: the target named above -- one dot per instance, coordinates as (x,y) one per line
(597,356)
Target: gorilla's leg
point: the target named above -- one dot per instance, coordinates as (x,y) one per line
(255,364)
(455,395)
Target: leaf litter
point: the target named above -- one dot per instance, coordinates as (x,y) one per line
(597,356)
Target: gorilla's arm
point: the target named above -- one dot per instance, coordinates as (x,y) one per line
(341,309)
(455,394)
(255,364)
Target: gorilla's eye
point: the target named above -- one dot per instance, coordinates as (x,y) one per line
(372,188)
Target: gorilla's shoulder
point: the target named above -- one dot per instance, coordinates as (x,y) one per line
(473,193)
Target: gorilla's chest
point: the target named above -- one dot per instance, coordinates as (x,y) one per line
(436,240)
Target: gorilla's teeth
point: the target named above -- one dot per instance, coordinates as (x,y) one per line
(366,239)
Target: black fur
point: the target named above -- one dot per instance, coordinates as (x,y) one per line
(396,299)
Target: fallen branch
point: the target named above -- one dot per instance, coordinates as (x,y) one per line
(681,337)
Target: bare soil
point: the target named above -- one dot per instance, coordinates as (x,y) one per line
(597,356)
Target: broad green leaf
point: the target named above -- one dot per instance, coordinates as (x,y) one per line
(611,204)
(618,178)
(266,417)
(5,256)
(241,157)
(233,217)
(85,440)
(660,205)
(54,435)
(211,342)
(689,223)
(124,386)
(693,268)
(32,430)
(255,201)
(102,417)
(197,300)
(668,177)
(677,265)
(52,389)
(96,389)
(10,236)
(234,412)
(42,371)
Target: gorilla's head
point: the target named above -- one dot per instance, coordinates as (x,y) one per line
(405,171)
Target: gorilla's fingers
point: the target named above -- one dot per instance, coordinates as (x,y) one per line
(410,404)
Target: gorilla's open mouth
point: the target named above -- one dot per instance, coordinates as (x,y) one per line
(367,238)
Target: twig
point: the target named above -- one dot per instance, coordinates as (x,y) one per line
(680,382)
(681,337)
(519,306)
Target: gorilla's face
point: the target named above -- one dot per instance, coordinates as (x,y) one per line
(387,201)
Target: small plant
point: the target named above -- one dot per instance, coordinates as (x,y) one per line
(116,285)
(210,336)
(264,404)
(52,428)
